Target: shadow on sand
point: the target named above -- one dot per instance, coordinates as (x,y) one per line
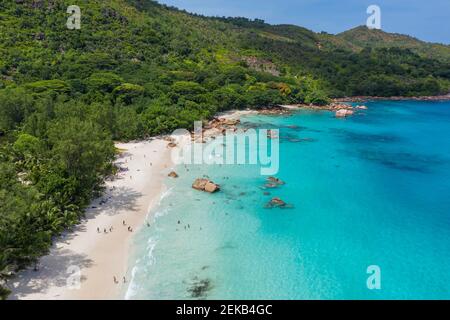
(55,271)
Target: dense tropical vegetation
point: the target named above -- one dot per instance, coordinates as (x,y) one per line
(136,69)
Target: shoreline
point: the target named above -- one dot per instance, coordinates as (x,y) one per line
(342,104)
(394,98)
(129,196)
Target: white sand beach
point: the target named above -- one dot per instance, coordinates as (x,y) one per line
(99,255)
(236,114)
(102,256)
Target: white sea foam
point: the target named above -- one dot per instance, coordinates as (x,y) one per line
(151,244)
(134,285)
(151,213)
(164,195)
(132,288)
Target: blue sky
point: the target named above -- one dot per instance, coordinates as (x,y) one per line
(424,19)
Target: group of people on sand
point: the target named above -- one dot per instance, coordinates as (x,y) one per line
(117,281)
(130,229)
(105,230)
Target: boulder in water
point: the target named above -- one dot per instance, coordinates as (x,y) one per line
(173,174)
(211,187)
(205,185)
(275,180)
(342,113)
(276,203)
(231,122)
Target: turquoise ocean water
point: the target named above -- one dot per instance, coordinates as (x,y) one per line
(373,189)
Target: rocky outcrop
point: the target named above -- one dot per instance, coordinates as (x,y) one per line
(262,65)
(205,185)
(275,180)
(215,127)
(342,113)
(222,123)
(231,122)
(211,187)
(334,106)
(276,203)
(341,109)
(276,110)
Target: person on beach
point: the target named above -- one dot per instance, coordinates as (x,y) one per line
(98,230)
(124,223)
(110,229)
(115,280)
(124,280)
(104,230)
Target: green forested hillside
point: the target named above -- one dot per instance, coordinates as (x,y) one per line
(367,65)
(136,68)
(361,37)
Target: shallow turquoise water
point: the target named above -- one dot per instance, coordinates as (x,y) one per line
(372,189)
